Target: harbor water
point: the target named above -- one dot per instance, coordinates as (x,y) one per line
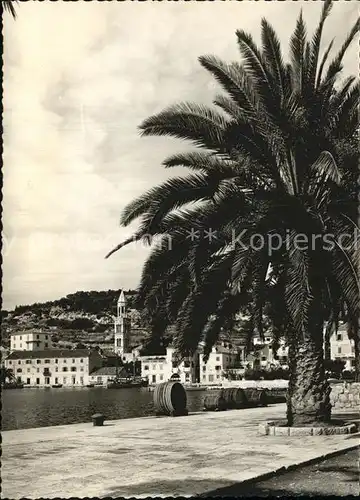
(27,408)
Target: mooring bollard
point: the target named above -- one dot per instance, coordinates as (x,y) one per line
(98,419)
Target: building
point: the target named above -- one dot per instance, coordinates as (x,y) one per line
(30,340)
(101,376)
(69,367)
(341,347)
(223,356)
(263,355)
(161,368)
(122,326)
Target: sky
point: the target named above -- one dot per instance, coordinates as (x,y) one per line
(79,78)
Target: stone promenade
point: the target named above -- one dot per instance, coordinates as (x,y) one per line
(153,456)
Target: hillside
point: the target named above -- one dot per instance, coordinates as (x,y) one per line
(76,317)
(88,317)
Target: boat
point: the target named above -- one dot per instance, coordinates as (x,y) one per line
(89,385)
(56,386)
(124,383)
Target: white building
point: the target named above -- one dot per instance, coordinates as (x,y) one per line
(30,341)
(69,367)
(101,376)
(341,347)
(122,326)
(263,355)
(222,357)
(160,368)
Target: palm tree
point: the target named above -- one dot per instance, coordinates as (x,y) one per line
(277,162)
(8,5)
(6,374)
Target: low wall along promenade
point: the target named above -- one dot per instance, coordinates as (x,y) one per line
(346,395)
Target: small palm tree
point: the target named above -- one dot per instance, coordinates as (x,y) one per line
(6,374)
(276,163)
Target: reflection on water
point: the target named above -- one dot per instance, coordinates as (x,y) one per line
(26,408)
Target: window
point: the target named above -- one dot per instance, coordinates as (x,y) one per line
(64,360)
(28,362)
(73,368)
(56,360)
(217,367)
(81,368)
(46,337)
(37,344)
(28,370)
(81,360)
(217,376)
(211,378)
(204,377)
(38,370)
(204,368)
(19,362)
(81,380)
(263,358)
(146,367)
(56,368)
(47,361)
(19,370)
(160,366)
(153,379)
(154,367)
(38,361)
(352,348)
(46,344)
(64,380)
(217,358)
(20,346)
(339,336)
(56,380)
(28,381)
(10,362)
(37,336)
(20,337)
(65,369)
(161,377)
(73,360)
(352,362)
(37,381)
(339,350)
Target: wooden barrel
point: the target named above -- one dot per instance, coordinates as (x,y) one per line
(256,397)
(170,399)
(235,397)
(276,395)
(214,402)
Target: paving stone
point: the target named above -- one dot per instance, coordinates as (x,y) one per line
(282,431)
(317,431)
(153,456)
(300,431)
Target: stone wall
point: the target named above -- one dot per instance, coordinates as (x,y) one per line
(346,395)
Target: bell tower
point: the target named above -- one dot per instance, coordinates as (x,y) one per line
(122,327)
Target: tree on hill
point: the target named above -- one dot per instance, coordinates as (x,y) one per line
(273,165)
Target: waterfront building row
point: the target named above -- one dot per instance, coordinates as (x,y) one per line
(67,367)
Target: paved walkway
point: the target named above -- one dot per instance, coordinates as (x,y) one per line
(152,456)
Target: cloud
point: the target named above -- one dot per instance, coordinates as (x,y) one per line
(79,79)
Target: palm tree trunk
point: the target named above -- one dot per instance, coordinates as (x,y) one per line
(327,345)
(357,357)
(309,392)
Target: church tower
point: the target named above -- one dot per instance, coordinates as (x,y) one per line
(122,327)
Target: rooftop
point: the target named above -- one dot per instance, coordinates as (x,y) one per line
(28,332)
(50,353)
(110,370)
